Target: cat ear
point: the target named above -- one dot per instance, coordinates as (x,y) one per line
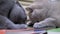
(29,9)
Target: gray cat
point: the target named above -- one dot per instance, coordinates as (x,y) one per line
(12,15)
(45,13)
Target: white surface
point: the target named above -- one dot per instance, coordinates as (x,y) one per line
(53,32)
(20,32)
(24,32)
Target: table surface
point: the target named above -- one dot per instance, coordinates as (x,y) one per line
(21,31)
(24,31)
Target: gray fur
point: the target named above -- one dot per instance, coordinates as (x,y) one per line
(43,10)
(11,14)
